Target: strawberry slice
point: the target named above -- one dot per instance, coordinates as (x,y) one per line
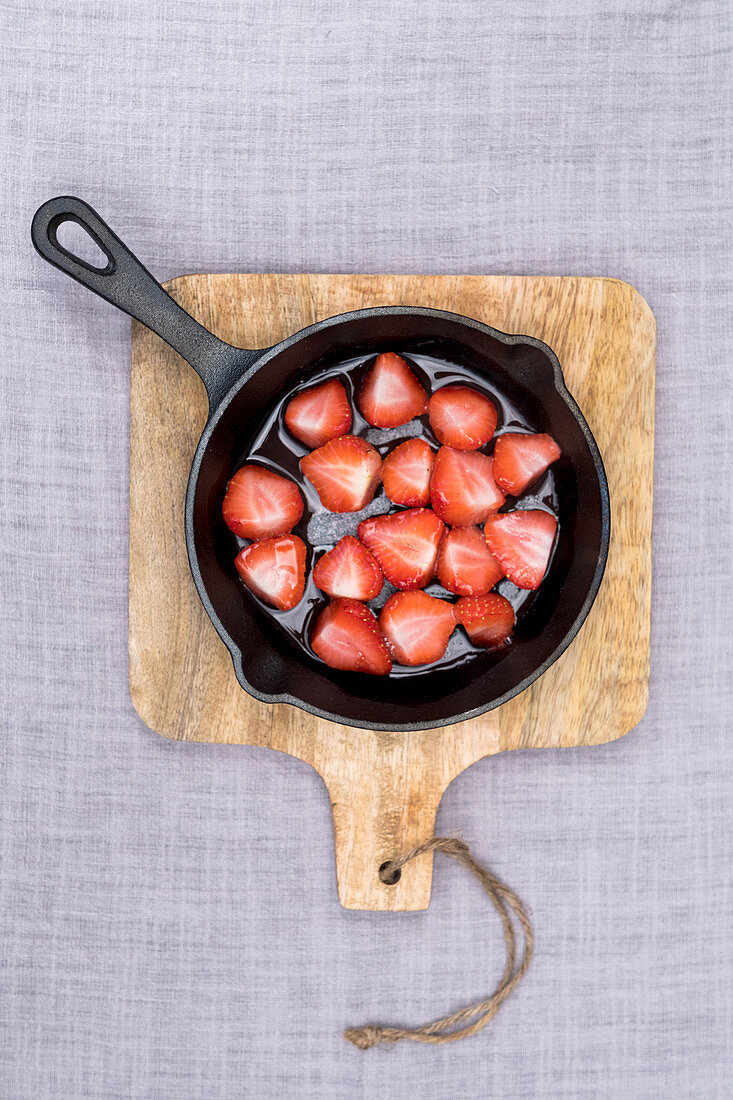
(319,414)
(465,564)
(260,504)
(520,459)
(488,620)
(345,473)
(462,487)
(347,636)
(417,627)
(461,417)
(274,569)
(391,394)
(405,544)
(406,473)
(349,570)
(521,543)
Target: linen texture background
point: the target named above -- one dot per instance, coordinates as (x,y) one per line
(170,921)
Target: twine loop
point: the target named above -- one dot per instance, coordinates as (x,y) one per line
(506,902)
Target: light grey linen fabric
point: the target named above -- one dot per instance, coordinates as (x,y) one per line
(170,921)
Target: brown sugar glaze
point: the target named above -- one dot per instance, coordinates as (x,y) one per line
(274,447)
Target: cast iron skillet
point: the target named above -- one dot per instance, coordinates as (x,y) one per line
(242,385)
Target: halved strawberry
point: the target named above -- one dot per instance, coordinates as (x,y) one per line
(345,473)
(349,570)
(417,627)
(461,417)
(406,473)
(319,414)
(521,543)
(391,394)
(260,504)
(465,564)
(488,620)
(274,569)
(462,487)
(405,544)
(347,636)
(520,459)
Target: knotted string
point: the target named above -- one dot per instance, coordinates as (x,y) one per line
(505,900)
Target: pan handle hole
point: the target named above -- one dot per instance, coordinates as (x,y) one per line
(390,876)
(77,242)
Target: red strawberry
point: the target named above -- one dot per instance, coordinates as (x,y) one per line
(274,569)
(462,487)
(345,473)
(347,636)
(319,414)
(260,504)
(488,620)
(391,394)
(520,459)
(417,627)
(405,544)
(465,565)
(521,543)
(349,570)
(461,417)
(406,473)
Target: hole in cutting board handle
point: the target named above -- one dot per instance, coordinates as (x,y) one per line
(389,878)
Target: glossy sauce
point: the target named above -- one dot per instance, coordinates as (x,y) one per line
(274,447)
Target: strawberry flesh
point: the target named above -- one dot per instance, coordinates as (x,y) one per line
(522,542)
(417,627)
(347,637)
(488,620)
(521,459)
(462,487)
(274,569)
(406,473)
(349,570)
(405,544)
(345,473)
(461,417)
(319,414)
(465,564)
(260,504)
(443,499)
(391,394)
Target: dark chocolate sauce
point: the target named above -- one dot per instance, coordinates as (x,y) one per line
(274,447)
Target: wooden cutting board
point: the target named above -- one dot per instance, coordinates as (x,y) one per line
(385,787)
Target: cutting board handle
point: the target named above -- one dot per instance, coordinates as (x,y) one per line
(377,820)
(125,283)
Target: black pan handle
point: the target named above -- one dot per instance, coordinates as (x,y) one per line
(128,285)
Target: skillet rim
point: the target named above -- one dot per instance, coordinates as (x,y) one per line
(267,354)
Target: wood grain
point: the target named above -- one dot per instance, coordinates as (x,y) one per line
(385,787)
